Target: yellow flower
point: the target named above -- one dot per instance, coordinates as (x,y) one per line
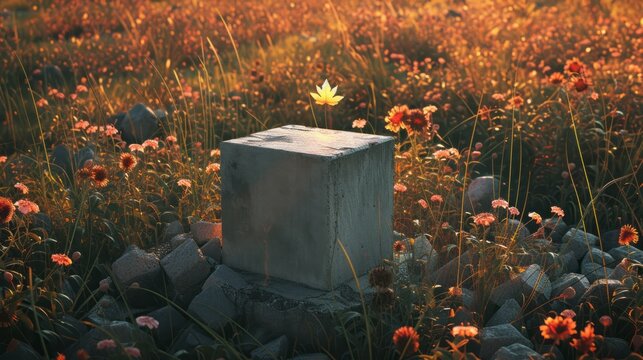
(325,95)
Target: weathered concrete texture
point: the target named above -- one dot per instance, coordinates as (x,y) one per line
(186,268)
(509,313)
(578,282)
(531,286)
(516,352)
(629,252)
(307,316)
(291,194)
(276,349)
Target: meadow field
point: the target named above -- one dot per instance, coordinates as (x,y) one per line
(112,114)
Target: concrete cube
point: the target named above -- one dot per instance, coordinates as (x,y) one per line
(291,194)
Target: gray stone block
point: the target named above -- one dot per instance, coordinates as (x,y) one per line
(171,230)
(447,275)
(510,230)
(136,265)
(213,307)
(578,282)
(191,337)
(212,249)
(601,292)
(140,124)
(276,349)
(423,250)
(186,268)
(516,352)
(107,310)
(493,338)
(597,256)
(595,271)
(630,252)
(578,242)
(531,286)
(555,228)
(224,276)
(509,313)
(171,321)
(300,191)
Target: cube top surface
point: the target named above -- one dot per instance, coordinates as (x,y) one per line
(311,141)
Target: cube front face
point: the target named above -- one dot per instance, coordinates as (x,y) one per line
(287,207)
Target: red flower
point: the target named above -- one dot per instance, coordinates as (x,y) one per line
(7,209)
(395,118)
(416,121)
(628,235)
(406,340)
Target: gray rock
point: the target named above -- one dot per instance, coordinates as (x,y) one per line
(171,321)
(106,311)
(84,155)
(447,275)
(202,231)
(601,292)
(532,284)
(610,239)
(578,242)
(20,350)
(171,230)
(516,352)
(509,313)
(254,338)
(578,282)
(136,265)
(186,268)
(140,124)
(191,337)
(137,271)
(493,338)
(212,249)
(595,271)
(276,349)
(224,276)
(510,230)
(52,76)
(629,252)
(62,160)
(597,256)
(423,250)
(568,262)
(555,228)
(212,307)
(480,192)
(120,331)
(179,239)
(622,270)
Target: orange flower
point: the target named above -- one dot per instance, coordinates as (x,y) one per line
(212,168)
(585,343)
(466,331)
(556,78)
(395,118)
(127,162)
(7,209)
(27,207)
(61,259)
(574,66)
(60,357)
(557,211)
(99,176)
(536,217)
(515,102)
(628,235)
(484,219)
(406,340)
(558,328)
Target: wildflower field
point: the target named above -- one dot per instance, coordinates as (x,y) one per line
(517,190)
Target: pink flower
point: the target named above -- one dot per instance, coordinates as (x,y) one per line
(151,144)
(499,203)
(81,88)
(110,130)
(106,344)
(132,351)
(536,217)
(568,313)
(185,183)
(136,147)
(42,103)
(359,123)
(91,129)
(399,187)
(437,199)
(26,207)
(3,159)
(170,139)
(557,211)
(147,321)
(81,124)
(514,211)
(24,190)
(423,203)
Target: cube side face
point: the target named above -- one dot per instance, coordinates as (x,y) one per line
(275,213)
(362,217)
